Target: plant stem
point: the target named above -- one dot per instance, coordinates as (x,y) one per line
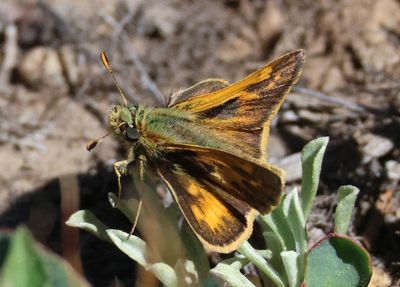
(250,253)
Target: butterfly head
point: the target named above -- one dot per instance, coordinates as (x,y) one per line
(122,122)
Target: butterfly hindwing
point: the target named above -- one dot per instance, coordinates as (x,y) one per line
(245,109)
(219,193)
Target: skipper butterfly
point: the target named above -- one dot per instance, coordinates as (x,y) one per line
(209,146)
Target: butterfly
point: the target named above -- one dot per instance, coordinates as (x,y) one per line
(209,146)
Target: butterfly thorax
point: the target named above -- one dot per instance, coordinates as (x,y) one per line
(159,127)
(148,130)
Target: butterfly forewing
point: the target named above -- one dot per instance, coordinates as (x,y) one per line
(244,110)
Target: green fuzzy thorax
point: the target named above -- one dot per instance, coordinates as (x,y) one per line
(166,125)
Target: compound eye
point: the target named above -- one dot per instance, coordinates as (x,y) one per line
(132,133)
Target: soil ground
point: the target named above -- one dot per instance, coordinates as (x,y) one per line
(55,95)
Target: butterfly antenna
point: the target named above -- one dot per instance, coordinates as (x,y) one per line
(136,218)
(93,143)
(106,64)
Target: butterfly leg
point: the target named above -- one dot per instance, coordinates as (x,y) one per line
(141,165)
(136,218)
(120,168)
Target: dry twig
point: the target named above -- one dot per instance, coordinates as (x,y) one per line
(342,102)
(130,50)
(331,99)
(144,76)
(10,56)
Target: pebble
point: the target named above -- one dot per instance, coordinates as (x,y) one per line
(41,67)
(291,164)
(393,169)
(288,117)
(374,146)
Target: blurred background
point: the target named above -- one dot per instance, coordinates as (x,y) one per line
(55,95)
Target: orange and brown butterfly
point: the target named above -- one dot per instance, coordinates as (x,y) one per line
(209,146)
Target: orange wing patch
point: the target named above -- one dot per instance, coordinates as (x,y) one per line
(221,225)
(208,209)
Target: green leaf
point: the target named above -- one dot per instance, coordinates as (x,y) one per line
(165,273)
(23,266)
(238,261)
(136,249)
(231,275)
(59,273)
(311,157)
(5,241)
(250,253)
(277,223)
(287,232)
(273,242)
(295,218)
(289,259)
(345,204)
(86,220)
(131,245)
(29,265)
(275,247)
(338,261)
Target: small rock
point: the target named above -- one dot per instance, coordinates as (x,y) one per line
(375,146)
(305,102)
(288,117)
(304,133)
(380,278)
(276,146)
(41,66)
(291,164)
(393,169)
(333,80)
(312,116)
